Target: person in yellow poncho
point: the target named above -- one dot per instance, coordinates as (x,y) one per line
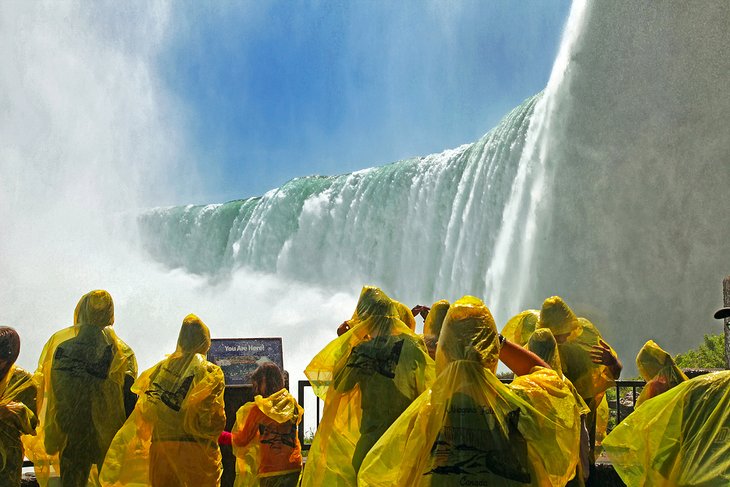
(405,314)
(17,408)
(469,428)
(542,343)
(84,392)
(520,327)
(679,438)
(46,462)
(658,370)
(432,325)
(367,378)
(587,360)
(265,441)
(171,437)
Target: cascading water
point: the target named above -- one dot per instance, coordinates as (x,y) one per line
(420,227)
(606,190)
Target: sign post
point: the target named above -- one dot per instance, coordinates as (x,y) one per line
(726,327)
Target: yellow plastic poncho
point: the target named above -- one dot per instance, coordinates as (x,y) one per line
(405,315)
(367,378)
(469,428)
(17,418)
(265,441)
(171,438)
(658,370)
(432,325)
(679,438)
(590,379)
(87,357)
(542,343)
(520,327)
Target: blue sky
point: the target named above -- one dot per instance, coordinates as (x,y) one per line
(278,89)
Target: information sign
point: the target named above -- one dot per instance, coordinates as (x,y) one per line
(239,357)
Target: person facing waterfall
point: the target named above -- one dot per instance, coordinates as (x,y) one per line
(432,325)
(659,371)
(470,429)
(43,449)
(542,343)
(85,397)
(587,360)
(17,408)
(171,437)
(264,437)
(367,377)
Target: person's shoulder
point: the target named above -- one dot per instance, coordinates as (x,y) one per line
(21,376)
(208,367)
(21,373)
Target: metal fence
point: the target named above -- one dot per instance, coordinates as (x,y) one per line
(620,402)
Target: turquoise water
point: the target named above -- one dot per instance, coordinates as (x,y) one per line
(420,227)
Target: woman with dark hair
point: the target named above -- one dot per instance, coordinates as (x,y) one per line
(265,442)
(17,407)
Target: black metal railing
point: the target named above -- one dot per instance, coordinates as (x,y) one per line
(623,404)
(619,407)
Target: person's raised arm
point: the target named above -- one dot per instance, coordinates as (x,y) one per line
(603,354)
(518,359)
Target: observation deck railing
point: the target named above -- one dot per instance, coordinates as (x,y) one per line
(621,399)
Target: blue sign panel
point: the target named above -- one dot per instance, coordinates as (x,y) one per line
(239,357)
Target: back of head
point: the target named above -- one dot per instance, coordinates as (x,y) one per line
(9,346)
(557,316)
(542,343)
(194,336)
(267,379)
(375,309)
(520,327)
(405,315)
(373,302)
(651,360)
(435,319)
(468,333)
(95,309)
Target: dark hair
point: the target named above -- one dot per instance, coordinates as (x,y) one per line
(269,375)
(9,344)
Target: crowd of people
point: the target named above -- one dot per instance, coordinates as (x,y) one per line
(400,408)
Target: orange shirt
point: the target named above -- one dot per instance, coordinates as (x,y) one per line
(280,448)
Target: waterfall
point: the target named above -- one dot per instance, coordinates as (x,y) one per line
(419,227)
(608,189)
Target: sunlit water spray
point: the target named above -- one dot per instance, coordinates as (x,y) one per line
(89,138)
(607,190)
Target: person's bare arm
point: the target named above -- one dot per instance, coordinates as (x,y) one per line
(518,359)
